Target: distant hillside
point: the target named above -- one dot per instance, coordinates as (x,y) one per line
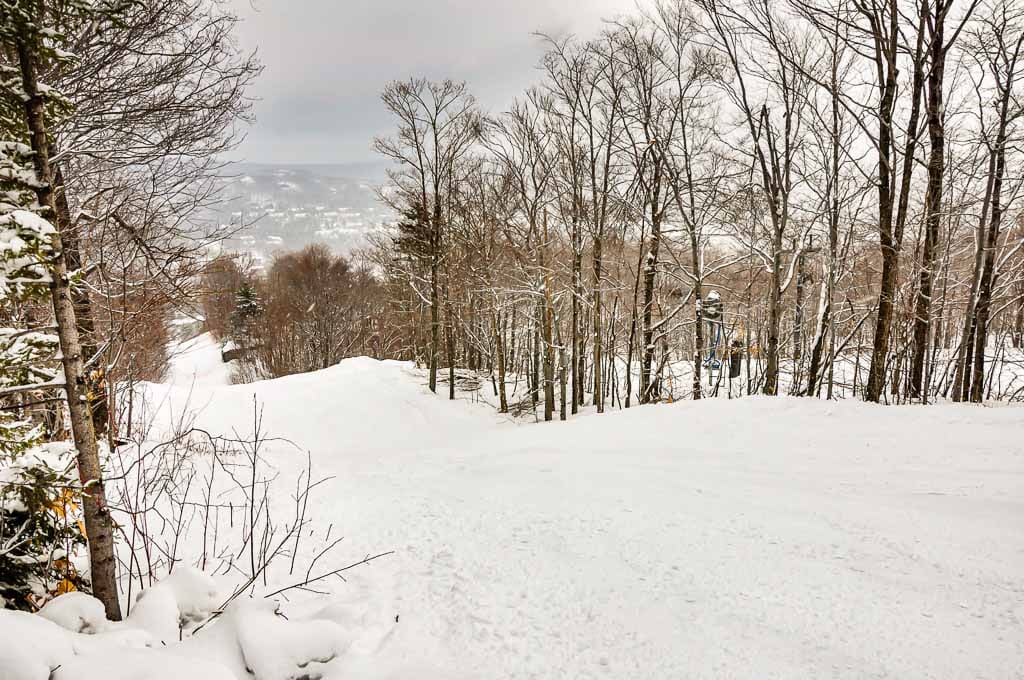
(286,207)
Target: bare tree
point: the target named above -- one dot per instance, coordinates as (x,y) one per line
(936,15)
(437,123)
(997,47)
(774,141)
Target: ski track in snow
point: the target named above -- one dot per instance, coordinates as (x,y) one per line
(754,538)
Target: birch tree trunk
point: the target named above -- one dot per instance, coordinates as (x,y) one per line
(98,523)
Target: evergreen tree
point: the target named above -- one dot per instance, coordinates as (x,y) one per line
(37,530)
(247,310)
(35,34)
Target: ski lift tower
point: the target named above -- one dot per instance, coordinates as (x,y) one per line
(714,318)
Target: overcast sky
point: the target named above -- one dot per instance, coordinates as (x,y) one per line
(327,61)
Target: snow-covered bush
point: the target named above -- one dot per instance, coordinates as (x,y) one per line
(27,357)
(25,247)
(39,529)
(16,175)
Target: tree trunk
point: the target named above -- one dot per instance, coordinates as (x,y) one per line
(698,335)
(598,384)
(890,221)
(98,523)
(798,315)
(647,384)
(988,274)
(535,369)
(821,327)
(828,285)
(548,312)
(1018,324)
(562,370)
(961,375)
(449,342)
(96,380)
(771,374)
(887,288)
(577,295)
(932,203)
(695,263)
(499,357)
(435,321)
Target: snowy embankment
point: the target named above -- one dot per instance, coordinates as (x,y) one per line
(753,538)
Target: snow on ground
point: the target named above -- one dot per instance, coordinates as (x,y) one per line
(745,538)
(197,363)
(751,538)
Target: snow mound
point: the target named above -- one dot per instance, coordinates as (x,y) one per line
(31,646)
(360,404)
(186,596)
(249,641)
(251,637)
(77,612)
(141,664)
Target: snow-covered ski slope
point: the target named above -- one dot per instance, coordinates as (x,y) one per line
(754,538)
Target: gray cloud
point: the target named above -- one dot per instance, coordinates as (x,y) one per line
(327,61)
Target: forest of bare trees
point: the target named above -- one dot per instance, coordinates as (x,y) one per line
(845,174)
(810,197)
(308,311)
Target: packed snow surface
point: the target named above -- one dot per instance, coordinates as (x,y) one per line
(197,363)
(752,538)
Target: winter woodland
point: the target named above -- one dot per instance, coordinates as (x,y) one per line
(765,259)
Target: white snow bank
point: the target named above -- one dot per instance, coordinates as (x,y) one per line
(250,640)
(77,612)
(31,646)
(251,637)
(185,597)
(358,405)
(140,664)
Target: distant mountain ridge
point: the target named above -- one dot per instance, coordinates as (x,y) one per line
(372,171)
(286,207)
